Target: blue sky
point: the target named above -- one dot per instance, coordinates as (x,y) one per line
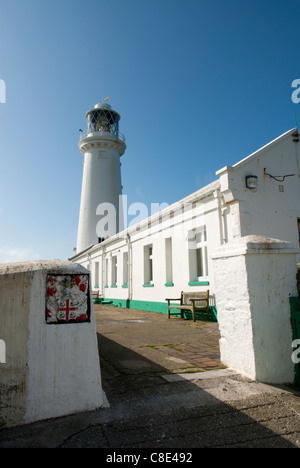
(199,85)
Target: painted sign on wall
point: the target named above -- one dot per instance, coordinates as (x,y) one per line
(67,299)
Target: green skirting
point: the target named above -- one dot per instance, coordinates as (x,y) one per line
(152,306)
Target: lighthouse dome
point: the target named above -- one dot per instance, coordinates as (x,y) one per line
(102,105)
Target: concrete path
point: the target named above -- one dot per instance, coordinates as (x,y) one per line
(166,388)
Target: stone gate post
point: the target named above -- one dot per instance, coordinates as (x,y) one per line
(51,366)
(254,277)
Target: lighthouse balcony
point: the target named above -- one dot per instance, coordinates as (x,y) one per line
(102,133)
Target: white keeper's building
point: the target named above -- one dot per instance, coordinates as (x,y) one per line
(169,252)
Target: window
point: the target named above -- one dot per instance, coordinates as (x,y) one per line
(114,270)
(169,266)
(298,221)
(106,273)
(198,259)
(96,276)
(148,265)
(125,268)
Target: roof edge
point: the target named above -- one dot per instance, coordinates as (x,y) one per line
(257,152)
(193,197)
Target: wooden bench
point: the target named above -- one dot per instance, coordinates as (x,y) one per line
(194,301)
(95,294)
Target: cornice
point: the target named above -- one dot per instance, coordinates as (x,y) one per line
(91,142)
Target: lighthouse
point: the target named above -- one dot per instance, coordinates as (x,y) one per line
(102,146)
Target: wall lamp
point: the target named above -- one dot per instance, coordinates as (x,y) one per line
(251,182)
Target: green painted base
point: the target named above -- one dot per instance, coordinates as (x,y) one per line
(152,306)
(198,283)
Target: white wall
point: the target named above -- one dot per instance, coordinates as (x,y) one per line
(101,183)
(228,210)
(253,307)
(177,221)
(50,370)
(265,211)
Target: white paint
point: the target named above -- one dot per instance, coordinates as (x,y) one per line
(178,222)
(101,181)
(50,370)
(229,211)
(253,306)
(266,211)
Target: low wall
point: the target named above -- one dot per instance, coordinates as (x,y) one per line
(47,323)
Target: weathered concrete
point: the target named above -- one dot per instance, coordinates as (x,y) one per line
(49,370)
(253,306)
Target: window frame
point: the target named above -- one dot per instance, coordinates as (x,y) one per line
(198,255)
(114,270)
(169,261)
(148,265)
(125,268)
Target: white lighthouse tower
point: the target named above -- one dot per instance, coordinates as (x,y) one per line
(102,146)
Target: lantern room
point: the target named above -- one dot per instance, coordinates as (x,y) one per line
(102,120)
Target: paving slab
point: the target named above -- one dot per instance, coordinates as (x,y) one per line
(166,388)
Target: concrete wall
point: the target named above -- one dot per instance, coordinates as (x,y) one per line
(253,306)
(51,370)
(273,207)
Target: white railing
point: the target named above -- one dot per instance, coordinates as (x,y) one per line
(85,133)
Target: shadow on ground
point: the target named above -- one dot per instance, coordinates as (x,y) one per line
(154,406)
(162,395)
